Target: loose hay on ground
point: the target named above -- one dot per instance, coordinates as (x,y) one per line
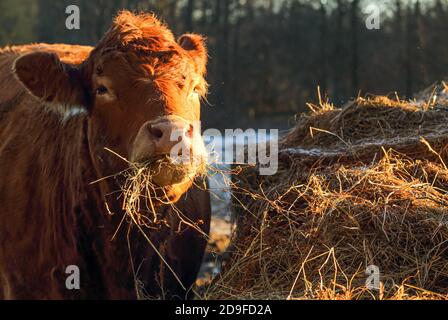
(366,186)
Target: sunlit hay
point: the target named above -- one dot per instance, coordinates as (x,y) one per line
(141,191)
(141,196)
(366,119)
(311,230)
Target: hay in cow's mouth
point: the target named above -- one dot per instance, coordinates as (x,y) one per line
(147,185)
(141,196)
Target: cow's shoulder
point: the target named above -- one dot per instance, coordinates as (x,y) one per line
(68,53)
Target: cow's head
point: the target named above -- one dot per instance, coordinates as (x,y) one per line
(141,90)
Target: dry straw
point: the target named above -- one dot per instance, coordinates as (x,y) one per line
(141,197)
(358,186)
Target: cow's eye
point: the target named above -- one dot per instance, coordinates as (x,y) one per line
(101,90)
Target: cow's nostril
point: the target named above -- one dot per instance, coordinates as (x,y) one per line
(156,132)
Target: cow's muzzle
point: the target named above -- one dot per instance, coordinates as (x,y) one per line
(171,147)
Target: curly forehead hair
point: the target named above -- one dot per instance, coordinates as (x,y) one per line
(141,32)
(151,48)
(149,40)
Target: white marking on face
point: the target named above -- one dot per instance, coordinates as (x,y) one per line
(73,112)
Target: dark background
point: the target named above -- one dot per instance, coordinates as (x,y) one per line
(267,57)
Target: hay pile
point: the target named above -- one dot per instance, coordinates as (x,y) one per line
(362,185)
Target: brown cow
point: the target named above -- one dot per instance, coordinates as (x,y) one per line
(63,109)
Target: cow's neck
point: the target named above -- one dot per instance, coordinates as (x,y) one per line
(104,169)
(112,257)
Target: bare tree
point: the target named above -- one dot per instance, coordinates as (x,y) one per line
(189,9)
(354,50)
(409,52)
(323,74)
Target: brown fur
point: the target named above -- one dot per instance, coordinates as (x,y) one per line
(51,216)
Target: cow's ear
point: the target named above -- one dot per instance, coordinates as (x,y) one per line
(49,79)
(195,45)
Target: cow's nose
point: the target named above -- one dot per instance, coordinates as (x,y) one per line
(170,133)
